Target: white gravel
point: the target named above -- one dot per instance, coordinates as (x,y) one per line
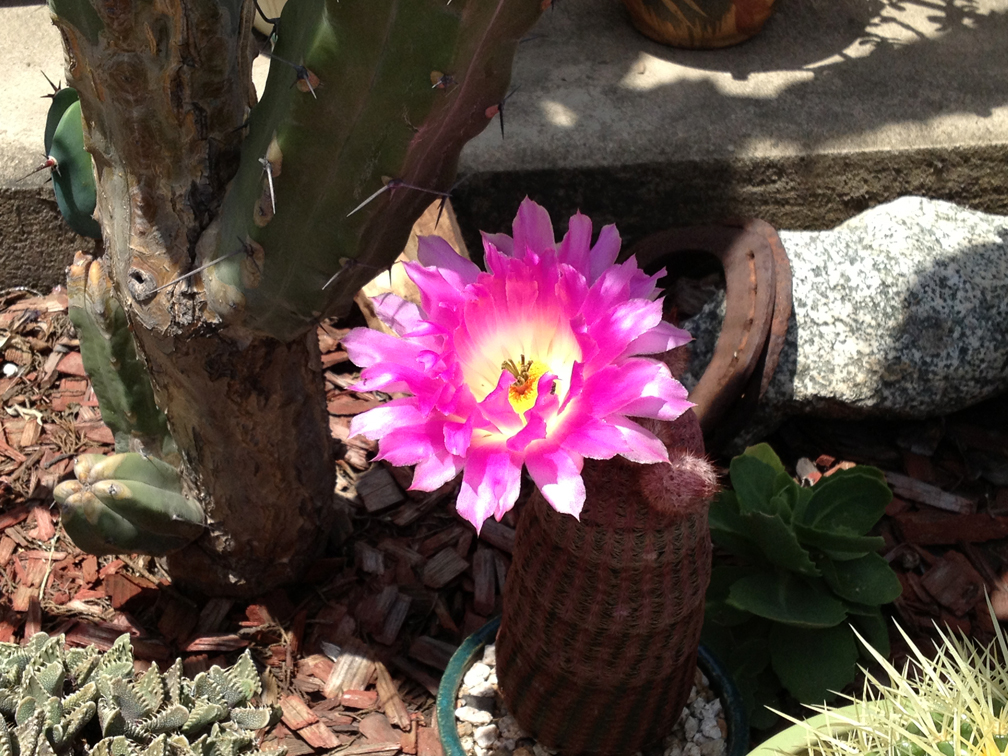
(486,729)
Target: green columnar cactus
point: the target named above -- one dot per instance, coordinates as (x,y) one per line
(131,501)
(49,695)
(73,179)
(231,226)
(118,375)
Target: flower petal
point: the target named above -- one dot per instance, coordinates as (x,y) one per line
(395,312)
(576,244)
(604,253)
(532,229)
(367,347)
(490,484)
(435,252)
(557,473)
(638,387)
(502,243)
(439,292)
(458,435)
(434,471)
(657,340)
(377,422)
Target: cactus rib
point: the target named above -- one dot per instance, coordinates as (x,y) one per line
(127,502)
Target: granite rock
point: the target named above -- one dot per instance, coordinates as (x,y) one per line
(901,312)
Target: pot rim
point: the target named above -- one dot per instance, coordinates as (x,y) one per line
(721,683)
(793,740)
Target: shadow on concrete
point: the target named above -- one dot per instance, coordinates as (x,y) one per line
(863,69)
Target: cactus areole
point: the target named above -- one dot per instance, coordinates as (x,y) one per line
(192,172)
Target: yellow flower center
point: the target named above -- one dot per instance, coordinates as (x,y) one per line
(523,392)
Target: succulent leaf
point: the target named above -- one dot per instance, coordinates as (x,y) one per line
(202,715)
(803,563)
(138,715)
(6,743)
(252,717)
(118,660)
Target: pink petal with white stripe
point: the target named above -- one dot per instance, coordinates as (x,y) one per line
(490,484)
(557,473)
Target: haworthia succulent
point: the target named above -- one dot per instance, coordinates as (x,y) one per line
(154,714)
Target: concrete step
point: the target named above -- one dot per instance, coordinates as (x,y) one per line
(838,105)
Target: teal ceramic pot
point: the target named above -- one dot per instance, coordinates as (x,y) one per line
(472,649)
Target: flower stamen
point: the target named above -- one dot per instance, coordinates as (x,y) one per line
(525,389)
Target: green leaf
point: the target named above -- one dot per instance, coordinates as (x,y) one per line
(839,543)
(766,455)
(788,598)
(766,696)
(785,497)
(866,580)
(716,609)
(851,500)
(874,630)
(804,496)
(813,664)
(753,482)
(728,529)
(779,543)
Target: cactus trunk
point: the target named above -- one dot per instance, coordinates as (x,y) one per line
(255,431)
(602,617)
(248,415)
(228,234)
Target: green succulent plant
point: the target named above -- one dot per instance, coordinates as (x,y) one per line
(950,703)
(804,570)
(231,223)
(50,696)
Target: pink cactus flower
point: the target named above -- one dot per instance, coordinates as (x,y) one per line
(537,362)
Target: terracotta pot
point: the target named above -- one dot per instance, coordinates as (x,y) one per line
(758,288)
(699,23)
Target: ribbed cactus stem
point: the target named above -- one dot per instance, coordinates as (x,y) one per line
(598,642)
(117,373)
(127,503)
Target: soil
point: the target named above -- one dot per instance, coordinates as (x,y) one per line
(355,650)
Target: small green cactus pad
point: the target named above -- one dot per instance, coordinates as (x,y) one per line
(127,502)
(118,375)
(73,175)
(50,693)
